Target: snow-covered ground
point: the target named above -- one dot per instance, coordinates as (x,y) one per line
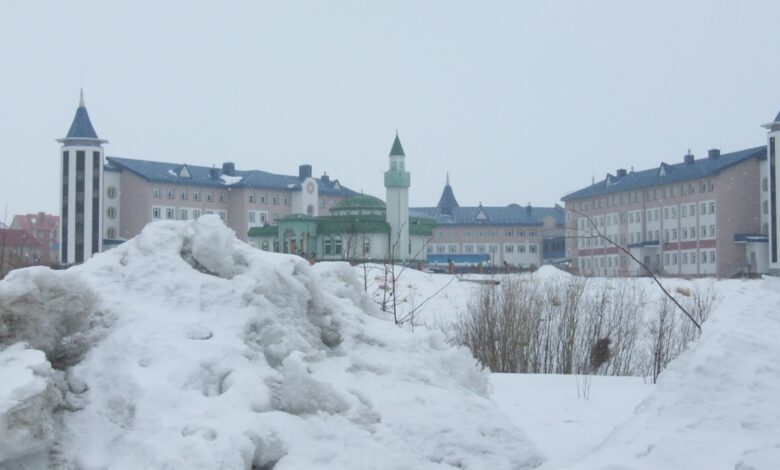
(185,348)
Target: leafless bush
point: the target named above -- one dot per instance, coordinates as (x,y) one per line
(551,326)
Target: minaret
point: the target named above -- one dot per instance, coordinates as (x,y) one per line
(81,184)
(773,140)
(397,181)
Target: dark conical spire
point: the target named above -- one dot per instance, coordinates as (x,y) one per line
(81,128)
(397,149)
(447,200)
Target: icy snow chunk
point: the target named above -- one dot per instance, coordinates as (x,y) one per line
(27,399)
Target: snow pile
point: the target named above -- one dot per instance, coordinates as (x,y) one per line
(717,405)
(185,348)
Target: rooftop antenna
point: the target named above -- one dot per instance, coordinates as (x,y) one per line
(81,93)
(448,178)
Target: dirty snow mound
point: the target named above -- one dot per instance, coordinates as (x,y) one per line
(185,348)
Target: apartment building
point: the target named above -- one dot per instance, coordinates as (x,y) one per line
(697,217)
(45,229)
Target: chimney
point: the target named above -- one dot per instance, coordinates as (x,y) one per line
(325,178)
(215,173)
(621,172)
(528,209)
(229,168)
(688,158)
(713,153)
(304,171)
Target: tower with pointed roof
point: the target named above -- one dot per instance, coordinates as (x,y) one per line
(773,140)
(447,200)
(81,184)
(397,182)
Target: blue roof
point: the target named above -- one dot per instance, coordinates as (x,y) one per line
(458,258)
(512,214)
(168,173)
(81,128)
(702,168)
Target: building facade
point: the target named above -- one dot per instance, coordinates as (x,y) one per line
(513,235)
(45,229)
(107,200)
(18,249)
(698,217)
(769,193)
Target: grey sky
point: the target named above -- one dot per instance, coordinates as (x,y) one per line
(520,102)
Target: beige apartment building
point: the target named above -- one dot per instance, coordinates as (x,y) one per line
(697,217)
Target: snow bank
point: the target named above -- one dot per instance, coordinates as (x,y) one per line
(185,348)
(717,405)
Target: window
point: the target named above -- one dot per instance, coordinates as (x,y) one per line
(171,194)
(429,249)
(481,249)
(326,247)
(155,212)
(712,231)
(765,207)
(452,234)
(674,234)
(674,212)
(521,248)
(156,193)
(703,208)
(649,234)
(493,249)
(196,196)
(453,248)
(674,258)
(262,198)
(223,216)
(667,259)
(492,233)
(111,232)
(252,216)
(439,248)
(509,233)
(532,248)
(263,216)
(170,214)
(684,211)
(684,233)
(712,256)
(532,233)
(703,231)
(693,257)
(222,196)
(264,245)
(692,210)
(366,245)
(322,203)
(712,207)
(337,247)
(111,212)
(685,257)
(440,234)
(111,192)
(521,233)
(468,248)
(693,232)
(509,248)
(275,200)
(252,197)
(286,201)
(183,194)
(209,197)
(666,213)
(195,213)
(764,184)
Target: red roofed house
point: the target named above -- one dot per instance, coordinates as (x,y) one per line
(45,229)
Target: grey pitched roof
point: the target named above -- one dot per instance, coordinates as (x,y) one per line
(164,172)
(777,118)
(512,214)
(447,200)
(397,147)
(81,127)
(701,168)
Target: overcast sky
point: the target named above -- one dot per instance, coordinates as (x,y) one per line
(519,101)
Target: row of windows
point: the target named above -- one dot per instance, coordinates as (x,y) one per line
(686,210)
(690,257)
(184,194)
(183,213)
(469,248)
(491,233)
(654,194)
(686,233)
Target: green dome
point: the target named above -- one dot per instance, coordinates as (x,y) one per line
(361,202)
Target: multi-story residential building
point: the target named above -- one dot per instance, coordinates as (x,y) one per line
(108,200)
(694,218)
(44,228)
(509,235)
(18,248)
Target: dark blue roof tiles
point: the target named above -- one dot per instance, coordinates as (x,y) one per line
(702,168)
(205,176)
(81,128)
(447,199)
(509,215)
